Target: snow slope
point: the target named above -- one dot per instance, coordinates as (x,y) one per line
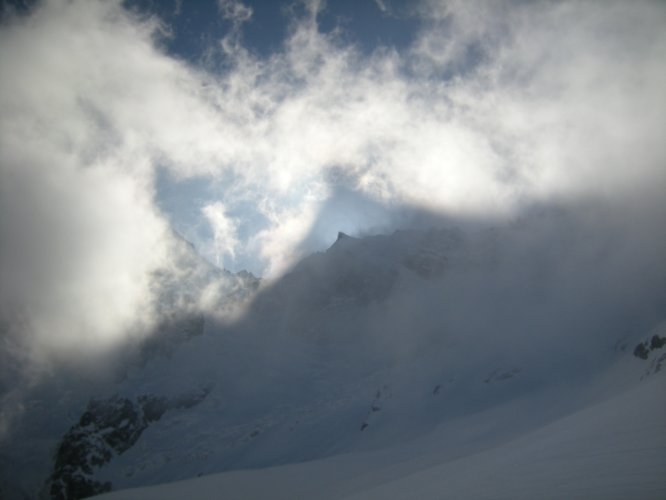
(615,449)
(383,366)
(399,364)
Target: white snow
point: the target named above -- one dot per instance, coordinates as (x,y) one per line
(425,364)
(615,449)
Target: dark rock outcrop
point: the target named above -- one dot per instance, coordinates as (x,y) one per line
(500,375)
(107,427)
(643,349)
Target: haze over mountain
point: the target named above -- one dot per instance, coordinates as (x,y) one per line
(332,250)
(397,353)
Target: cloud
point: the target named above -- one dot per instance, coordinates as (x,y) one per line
(238,14)
(494,107)
(235,11)
(381,5)
(89,107)
(225,239)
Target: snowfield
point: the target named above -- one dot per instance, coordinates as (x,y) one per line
(552,414)
(615,449)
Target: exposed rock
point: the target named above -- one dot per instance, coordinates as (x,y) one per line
(643,349)
(375,406)
(107,427)
(657,363)
(499,375)
(657,342)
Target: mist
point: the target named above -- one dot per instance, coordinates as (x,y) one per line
(491,111)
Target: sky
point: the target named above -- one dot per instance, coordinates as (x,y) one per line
(258,130)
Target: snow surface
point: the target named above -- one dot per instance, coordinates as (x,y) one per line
(615,449)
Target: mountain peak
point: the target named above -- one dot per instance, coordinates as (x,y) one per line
(342,241)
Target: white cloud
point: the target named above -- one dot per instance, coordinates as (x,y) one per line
(494,106)
(225,239)
(89,108)
(235,11)
(381,5)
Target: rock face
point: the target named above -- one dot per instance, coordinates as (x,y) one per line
(644,350)
(107,428)
(500,375)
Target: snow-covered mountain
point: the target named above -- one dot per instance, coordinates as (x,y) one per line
(72,419)
(453,359)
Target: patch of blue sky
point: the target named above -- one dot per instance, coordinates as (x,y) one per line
(182,201)
(196,26)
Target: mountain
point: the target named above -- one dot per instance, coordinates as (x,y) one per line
(75,420)
(493,361)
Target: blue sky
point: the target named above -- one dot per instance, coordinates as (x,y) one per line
(193,33)
(196,27)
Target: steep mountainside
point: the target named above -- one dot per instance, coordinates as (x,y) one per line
(396,352)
